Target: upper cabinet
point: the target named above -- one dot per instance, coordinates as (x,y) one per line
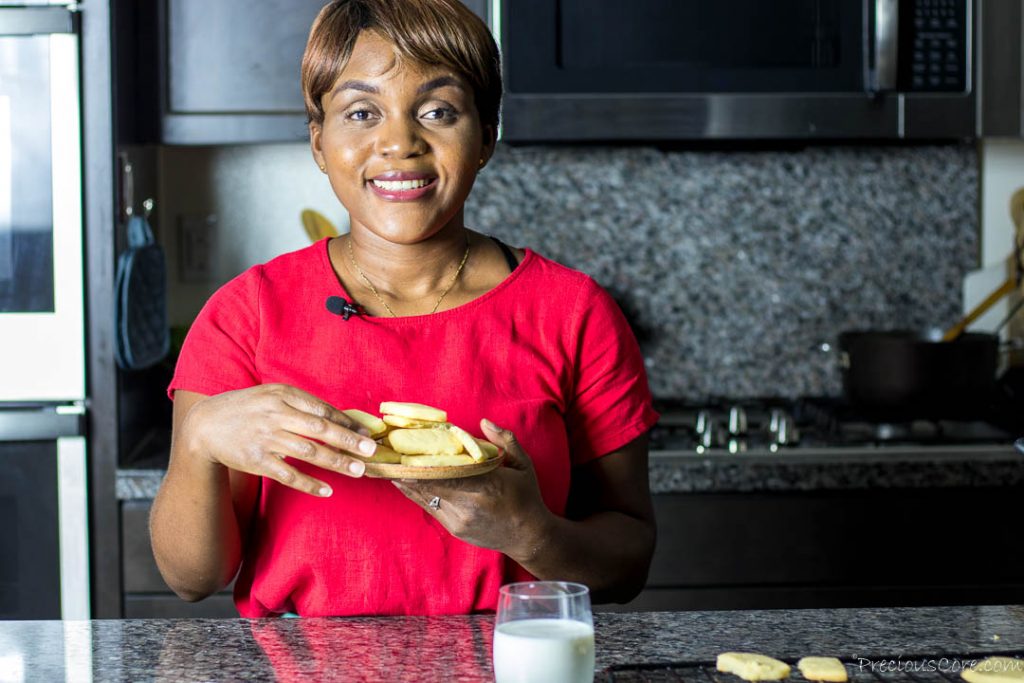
(232,70)
(222,72)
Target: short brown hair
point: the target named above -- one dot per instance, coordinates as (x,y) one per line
(435,32)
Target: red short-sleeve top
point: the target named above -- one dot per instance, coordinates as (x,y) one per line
(546,354)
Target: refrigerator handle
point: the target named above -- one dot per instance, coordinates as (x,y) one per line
(36,423)
(35,21)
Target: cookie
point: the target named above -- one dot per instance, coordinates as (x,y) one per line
(436,460)
(376,425)
(995,670)
(408,422)
(424,442)
(469,444)
(751,666)
(413,411)
(822,669)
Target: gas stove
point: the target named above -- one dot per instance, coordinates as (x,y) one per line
(767,426)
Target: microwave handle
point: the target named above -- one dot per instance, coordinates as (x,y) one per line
(885,45)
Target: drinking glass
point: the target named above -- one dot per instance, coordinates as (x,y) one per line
(544,633)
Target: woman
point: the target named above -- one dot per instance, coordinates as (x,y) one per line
(264,478)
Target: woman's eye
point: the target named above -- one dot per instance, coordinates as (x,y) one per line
(360,115)
(441,114)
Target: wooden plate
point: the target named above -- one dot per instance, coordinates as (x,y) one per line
(383,471)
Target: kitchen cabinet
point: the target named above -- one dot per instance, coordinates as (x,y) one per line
(216,73)
(762,550)
(854,548)
(232,70)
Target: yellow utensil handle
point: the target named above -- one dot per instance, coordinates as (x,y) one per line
(317,227)
(1008,286)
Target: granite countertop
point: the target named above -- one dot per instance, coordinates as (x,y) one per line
(835,469)
(838,469)
(458,648)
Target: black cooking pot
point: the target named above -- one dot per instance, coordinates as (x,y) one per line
(902,373)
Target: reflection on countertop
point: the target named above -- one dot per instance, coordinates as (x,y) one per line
(458,648)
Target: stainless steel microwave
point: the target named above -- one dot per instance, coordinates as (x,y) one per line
(579,70)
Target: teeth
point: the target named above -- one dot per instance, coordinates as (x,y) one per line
(393,185)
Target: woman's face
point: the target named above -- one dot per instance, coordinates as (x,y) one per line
(402,142)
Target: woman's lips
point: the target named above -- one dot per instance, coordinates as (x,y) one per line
(402,190)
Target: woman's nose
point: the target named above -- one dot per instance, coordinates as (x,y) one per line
(399,137)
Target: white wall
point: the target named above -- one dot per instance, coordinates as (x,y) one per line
(256,193)
(1002,173)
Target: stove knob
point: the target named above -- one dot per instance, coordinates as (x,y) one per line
(704,422)
(786,433)
(709,438)
(737,421)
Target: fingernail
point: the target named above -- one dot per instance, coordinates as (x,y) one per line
(491,425)
(325,491)
(368,447)
(357,468)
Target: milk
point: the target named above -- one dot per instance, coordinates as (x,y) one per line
(544,651)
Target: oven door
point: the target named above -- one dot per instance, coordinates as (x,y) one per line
(685,46)
(44,566)
(42,353)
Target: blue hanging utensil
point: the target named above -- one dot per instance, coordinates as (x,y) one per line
(142,334)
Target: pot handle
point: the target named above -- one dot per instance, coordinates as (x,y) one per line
(1011,345)
(842,357)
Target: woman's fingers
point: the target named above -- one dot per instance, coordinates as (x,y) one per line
(515,457)
(277,469)
(308,403)
(314,419)
(255,430)
(318,454)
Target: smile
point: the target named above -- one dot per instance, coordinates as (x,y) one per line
(393,185)
(402,190)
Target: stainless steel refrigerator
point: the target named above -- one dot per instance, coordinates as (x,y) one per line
(44,547)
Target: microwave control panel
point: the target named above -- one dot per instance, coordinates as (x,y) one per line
(933,48)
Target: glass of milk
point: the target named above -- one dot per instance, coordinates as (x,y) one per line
(544,633)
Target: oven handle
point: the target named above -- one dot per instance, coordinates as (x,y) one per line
(73,513)
(885,45)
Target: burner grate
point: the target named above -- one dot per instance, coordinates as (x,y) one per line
(817,423)
(913,668)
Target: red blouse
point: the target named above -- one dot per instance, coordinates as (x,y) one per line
(546,354)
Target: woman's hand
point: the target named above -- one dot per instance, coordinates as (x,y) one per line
(501,510)
(252,430)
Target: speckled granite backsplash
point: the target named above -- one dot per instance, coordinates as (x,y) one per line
(737,265)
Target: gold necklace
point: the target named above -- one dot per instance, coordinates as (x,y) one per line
(366,280)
